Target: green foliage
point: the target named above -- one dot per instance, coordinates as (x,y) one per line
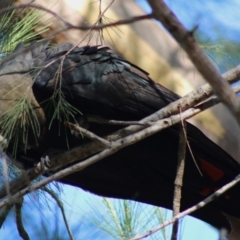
(63,110)
(18,26)
(124,219)
(222,51)
(16,123)
(18,120)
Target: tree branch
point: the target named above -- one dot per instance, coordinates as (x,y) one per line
(72,26)
(18,212)
(188,42)
(60,205)
(179,177)
(88,134)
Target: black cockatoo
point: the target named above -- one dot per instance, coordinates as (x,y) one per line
(41,85)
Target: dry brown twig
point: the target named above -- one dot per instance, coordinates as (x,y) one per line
(101,120)
(201,204)
(18,214)
(179,176)
(88,134)
(60,205)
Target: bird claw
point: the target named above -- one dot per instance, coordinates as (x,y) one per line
(45,163)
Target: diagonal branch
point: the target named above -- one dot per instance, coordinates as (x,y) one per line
(201,204)
(188,42)
(88,134)
(60,205)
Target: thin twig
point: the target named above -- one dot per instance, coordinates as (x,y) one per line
(88,134)
(201,204)
(18,211)
(101,120)
(72,26)
(179,177)
(60,205)
(5,174)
